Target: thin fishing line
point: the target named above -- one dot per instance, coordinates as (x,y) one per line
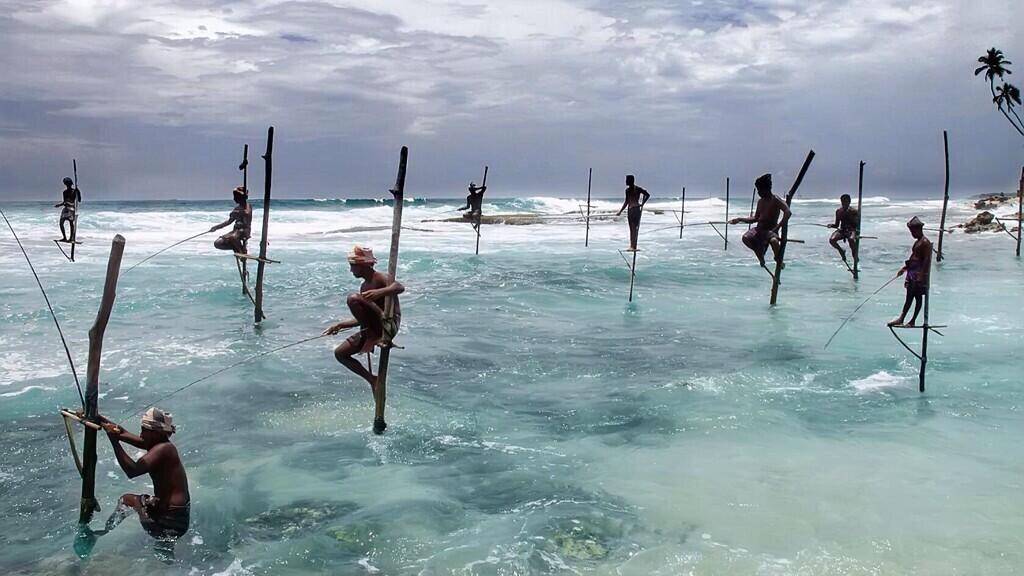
(226,368)
(165,250)
(858,308)
(52,314)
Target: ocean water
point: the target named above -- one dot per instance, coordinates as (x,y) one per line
(539,423)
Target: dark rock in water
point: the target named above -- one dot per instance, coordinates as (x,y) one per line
(357,538)
(984,222)
(993,201)
(587,537)
(295,519)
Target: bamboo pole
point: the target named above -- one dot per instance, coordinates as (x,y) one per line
(632,271)
(380,391)
(860,219)
(590,178)
(924,340)
(481,211)
(74,232)
(777,277)
(267,180)
(1020,210)
(945,198)
(682,213)
(726,235)
(92,385)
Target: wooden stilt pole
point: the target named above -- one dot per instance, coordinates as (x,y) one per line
(74,231)
(380,392)
(945,197)
(924,341)
(860,219)
(267,180)
(682,213)
(632,273)
(1020,210)
(92,385)
(780,259)
(726,235)
(244,167)
(753,196)
(590,178)
(480,212)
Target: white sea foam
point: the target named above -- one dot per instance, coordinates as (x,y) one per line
(880,381)
(26,389)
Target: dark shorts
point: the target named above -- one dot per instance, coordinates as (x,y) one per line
(759,239)
(845,234)
(170,523)
(68,213)
(364,343)
(633,215)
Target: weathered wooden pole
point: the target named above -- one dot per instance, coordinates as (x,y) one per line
(945,197)
(1020,210)
(632,272)
(92,384)
(860,219)
(380,392)
(74,231)
(268,159)
(244,167)
(481,210)
(924,339)
(777,277)
(726,235)
(682,213)
(590,178)
(753,196)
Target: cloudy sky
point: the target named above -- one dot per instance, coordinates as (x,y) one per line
(156,98)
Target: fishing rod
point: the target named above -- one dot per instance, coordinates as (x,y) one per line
(226,368)
(67,350)
(884,286)
(165,250)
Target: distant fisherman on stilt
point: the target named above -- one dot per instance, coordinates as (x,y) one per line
(242,217)
(847,220)
(918,268)
(165,514)
(367,307)
(69,207)
(636,207)
(474,202)
(766,221)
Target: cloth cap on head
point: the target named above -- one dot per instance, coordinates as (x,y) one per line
(764,181)
(158,421)
(68,181)
(915,222)
(240,190)
(361,255)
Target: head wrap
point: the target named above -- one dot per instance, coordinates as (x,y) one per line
(915,222)
(765,181)
(158,421)
(240,190)
(361,255)
(68,181)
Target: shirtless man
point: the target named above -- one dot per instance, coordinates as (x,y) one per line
(847,220)
(69,208)
(165,514)
(918,269)
(473,203)
(242,217)
(766,231)
(367,307)
(636,207)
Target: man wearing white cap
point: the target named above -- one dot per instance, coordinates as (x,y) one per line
(367,307)
(165,515)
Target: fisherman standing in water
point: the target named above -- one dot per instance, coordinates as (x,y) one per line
(846,224)
(165,514)
(636,207)
(473,203)
(367,307)
(918,269)
(242,217)
(69,209)
(766,231)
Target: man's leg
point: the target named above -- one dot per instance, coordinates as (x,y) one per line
(834,241)
(906,308)
(917,308)
(63,234)
(371,326)
(854,243)
(74,226)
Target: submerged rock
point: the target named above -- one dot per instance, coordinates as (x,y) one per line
(584,538)
(984,222)
(294,519)
(994,201)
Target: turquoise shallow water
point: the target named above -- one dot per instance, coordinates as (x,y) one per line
(540,424)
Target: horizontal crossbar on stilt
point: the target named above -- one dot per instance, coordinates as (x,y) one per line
(256,258)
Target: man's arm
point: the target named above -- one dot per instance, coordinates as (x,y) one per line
(335,328)
(645,194)
(394,288)
(625,202)
(78,194)
(131,467)
(122,434)
(222,224)
(836,223)
(786,213)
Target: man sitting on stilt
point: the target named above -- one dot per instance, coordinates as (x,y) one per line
(367,307)
(765,233)
(474,203)
(918,268)
(241,215)
(636,207)
(165,514)
(847,220)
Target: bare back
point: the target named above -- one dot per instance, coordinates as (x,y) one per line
(768,210)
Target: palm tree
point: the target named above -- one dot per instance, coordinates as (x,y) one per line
(994,65)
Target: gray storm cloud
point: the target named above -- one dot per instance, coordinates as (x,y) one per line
(155,98)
